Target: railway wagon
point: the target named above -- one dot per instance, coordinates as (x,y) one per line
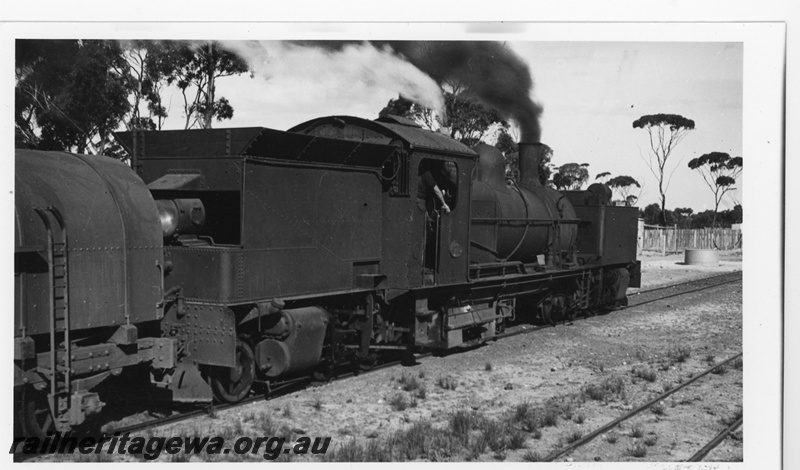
(229,257)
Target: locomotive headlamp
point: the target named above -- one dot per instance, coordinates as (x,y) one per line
(180,216)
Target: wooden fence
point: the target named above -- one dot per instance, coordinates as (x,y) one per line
(674,240)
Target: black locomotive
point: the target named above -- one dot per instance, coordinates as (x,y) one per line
(233,256)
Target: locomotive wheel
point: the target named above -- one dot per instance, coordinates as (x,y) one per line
(33,413)
(232,384)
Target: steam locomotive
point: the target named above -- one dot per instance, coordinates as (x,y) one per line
(228,257)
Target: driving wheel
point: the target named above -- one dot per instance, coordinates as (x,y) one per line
(232,384)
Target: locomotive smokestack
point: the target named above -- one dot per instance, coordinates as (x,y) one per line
(530,154)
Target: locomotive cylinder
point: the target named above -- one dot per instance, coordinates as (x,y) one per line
(517,222)
(300,334)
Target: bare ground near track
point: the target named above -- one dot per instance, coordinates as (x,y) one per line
(547,369)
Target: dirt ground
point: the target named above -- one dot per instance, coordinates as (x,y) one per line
(647,349)
(520,398)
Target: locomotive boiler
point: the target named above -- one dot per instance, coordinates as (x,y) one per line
(227,258)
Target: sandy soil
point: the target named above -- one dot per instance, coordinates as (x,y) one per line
(547,368)
(646,349)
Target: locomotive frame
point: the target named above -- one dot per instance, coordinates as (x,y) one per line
(231,256)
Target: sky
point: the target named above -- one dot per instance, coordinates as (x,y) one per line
(591,93)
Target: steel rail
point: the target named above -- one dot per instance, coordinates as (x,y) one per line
(701,454)
(607,427)
(285,388)
(672,286)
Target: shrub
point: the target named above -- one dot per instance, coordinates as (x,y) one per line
(657,409)
(422,392)
(719,370)
(447,383)
(645,373)
(521,411)
(317,405)
(637,431)
(493,434)
(638,450)
(679,353)
(462,422)
(516,440)
(609,388)
(399,402)
(612,437)
(651,440)
(730,419)
(573,436)
(265,425)
(488,367)
(579,419)
(408,382)
(531,456)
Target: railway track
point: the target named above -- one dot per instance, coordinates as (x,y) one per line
(697,457)
(640,298)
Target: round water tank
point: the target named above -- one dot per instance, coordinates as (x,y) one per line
(702,257)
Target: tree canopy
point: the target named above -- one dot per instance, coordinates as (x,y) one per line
(622,186)
(571,176)
(72,94)
(719,171)
(69,95)
(665,132)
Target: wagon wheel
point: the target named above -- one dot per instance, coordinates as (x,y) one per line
(232,384)
(33,413)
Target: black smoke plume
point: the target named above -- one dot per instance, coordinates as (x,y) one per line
(491,72)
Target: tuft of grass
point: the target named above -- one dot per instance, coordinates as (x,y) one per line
(265,425)
(637,431)
(650,440)
(531,456)
(238,428)
(399,402)
(730,419)
(638,450)
(679,353)
(612,437)
(408,382)
(537,434)
(737,363)
(462,422)
(573,436)
(666,386)
(494,434)
(647,374)
(488,367)
(317,404)
(421,374)
(579,418)
(719,370)
(709,358)
(447,383)
(657,409)
(516,440)
(521,411)
(611,387)
(422,392)
(287,411)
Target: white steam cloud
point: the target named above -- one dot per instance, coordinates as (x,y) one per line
(347,70)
